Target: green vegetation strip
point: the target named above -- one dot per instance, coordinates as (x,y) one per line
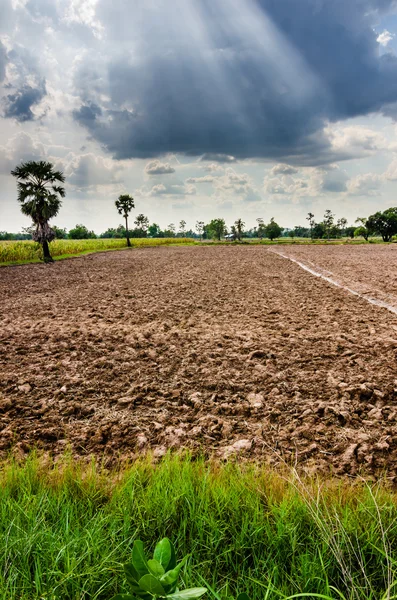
(66,530)
(29,252)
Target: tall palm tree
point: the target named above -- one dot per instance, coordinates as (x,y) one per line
(125,204)
(39,195)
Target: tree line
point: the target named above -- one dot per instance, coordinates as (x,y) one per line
(40,194)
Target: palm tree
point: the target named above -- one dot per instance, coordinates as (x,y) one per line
(310,218)
(40,198)
(125,204)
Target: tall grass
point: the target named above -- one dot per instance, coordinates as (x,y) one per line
(26,251)
(65,530)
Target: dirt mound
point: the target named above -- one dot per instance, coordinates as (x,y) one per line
(233,351)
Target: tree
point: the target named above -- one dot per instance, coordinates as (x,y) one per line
(328,222)
(362,227)
(273,230)
(154,230)
(217,228)
(341,225)
(349,232)
(124,204)
(383,223)
(81,232)
(170,231)
(361,232)
(118,233)
(200,228)
(291,233)
(239,224)
(39,195)
(310,218)
(182,228)
(142,226)
(60,234)
(261,228)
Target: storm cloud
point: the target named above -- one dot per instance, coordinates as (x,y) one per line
(257,79)
(19,104)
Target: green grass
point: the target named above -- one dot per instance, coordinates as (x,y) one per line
(65,530)
(27,252)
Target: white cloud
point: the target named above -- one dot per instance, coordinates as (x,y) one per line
(92,170)
(206,179)
(155,167)
(162,189)
(236,183)
(368,184)
(284,170)
(355,141)
(385,37)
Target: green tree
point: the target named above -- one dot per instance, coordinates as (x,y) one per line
(261,228)
(81,232)
(182,228)
(291,233)
(217,228)
(384,223)
(341,225)
(124,204)
(349,232)
(200,228)
(239,224)
(60,234)
(310,218)
(361,232)
(273,230)
(39,195)
(328,222)
(170,231)
(154,230)
(142,223)
(362,226)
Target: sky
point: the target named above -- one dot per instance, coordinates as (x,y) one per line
(201,109)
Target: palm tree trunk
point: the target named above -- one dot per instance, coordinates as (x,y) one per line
(127,232)
(46,253)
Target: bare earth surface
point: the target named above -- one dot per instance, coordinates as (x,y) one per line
(226,350)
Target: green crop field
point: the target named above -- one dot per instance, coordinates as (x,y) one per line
(66,530)
(26,251)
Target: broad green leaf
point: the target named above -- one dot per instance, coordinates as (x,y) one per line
(190,594)
(163,553)
(150,584)
(139,559)
(172,563)
(123,597)
(155,568)
(243,596)
(132,575)
(172,576)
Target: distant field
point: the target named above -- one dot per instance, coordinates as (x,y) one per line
(26,251)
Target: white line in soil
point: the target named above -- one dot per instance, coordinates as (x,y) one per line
(369,299)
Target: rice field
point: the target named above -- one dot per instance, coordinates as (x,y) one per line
(29,251)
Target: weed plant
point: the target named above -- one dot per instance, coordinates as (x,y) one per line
(66,530)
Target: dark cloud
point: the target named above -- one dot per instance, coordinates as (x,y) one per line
(220,79)
(19,104)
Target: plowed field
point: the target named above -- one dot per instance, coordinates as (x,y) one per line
(223,350)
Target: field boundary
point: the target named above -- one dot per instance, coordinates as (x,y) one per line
(336,283)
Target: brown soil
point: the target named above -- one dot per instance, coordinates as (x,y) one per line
(226,350)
